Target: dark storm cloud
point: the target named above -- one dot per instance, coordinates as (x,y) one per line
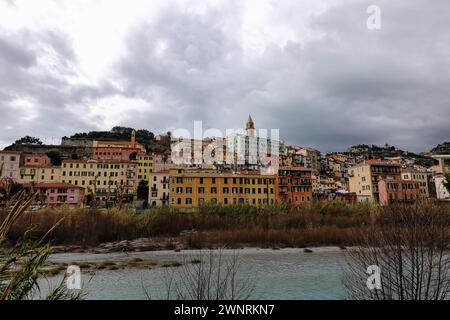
(350,86)
(345,85)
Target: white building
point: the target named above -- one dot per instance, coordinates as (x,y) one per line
(252,150)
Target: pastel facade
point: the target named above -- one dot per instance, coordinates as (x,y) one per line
(295,185)
(39,174)
(424,179)
(36,160)
(114,153)
(9,164)
(190,189)
(394,191)
(159,188)
(104,178)
(56,194)
(145,167)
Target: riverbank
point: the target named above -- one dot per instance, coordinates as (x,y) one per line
(175,244)
(318,224)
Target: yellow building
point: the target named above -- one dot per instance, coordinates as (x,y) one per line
(190,188)
(364,178)
(39,174)
(110,178)
(145,167)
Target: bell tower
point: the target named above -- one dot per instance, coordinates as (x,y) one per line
(133,138)
(250,127)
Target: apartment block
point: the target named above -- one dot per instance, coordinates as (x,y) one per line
(159,188)
(364,178)
(424,179)
(394,191)
(36,160)
(107,179)
(295,185)
(191,188)
(9,164)
(39,174)
(56,194)
(145,167)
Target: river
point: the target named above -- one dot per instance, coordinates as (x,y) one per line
(278,274)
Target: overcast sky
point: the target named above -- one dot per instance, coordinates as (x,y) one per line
(310,68)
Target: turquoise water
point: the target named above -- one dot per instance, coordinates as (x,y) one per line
(278,274)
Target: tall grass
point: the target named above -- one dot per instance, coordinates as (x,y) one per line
(319,223)
(22,265)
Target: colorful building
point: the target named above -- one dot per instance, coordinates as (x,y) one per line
(364,178)
(56,194)
(104,179)
(424,179)
(36,160)
(191,188)
(145,166)
(295,185)
(117,150)
(39,174)
(392,191)
(159,188)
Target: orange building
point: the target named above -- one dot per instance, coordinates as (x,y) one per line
(36,160)
(295,185)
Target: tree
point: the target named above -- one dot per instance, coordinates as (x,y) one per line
(409,244)
(214,275)
(55,157)
(28,140)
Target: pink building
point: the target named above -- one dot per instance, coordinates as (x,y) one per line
(161,162)
(391,191)
(9,164)
(56,194)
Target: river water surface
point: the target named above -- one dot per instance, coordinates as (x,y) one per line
(279,274)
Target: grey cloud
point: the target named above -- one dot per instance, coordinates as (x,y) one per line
(37,99)
(349,86)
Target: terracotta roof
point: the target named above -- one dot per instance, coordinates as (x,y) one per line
(10,152)
(292,168)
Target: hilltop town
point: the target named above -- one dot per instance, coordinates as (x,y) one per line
(125,166)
